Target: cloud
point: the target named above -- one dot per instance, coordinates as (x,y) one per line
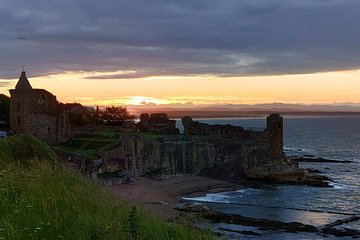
(5,83)
(165,37)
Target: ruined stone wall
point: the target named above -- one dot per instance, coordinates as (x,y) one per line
(196,128)
(63,126)
(44,127)
(240,149)
(20,111)
(37,112)
(43,115)
(274,130)
(157,123)
(179,155)
(271,138)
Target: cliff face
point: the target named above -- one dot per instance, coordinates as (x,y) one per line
(224,152)
(184,155)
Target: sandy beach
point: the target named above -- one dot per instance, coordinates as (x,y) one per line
(159,196)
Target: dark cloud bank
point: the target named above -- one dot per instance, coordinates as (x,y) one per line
(168,37)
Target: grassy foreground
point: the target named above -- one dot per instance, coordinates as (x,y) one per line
(42,199)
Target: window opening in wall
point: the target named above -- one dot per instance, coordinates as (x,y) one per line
(49,130)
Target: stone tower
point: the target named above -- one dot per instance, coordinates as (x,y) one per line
(37,112)
(274,131)
(20,105)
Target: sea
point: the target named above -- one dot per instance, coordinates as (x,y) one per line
(331,137)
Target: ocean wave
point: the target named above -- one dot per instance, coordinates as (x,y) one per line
(292,151)
(211,197)
(337,185)
(224,197)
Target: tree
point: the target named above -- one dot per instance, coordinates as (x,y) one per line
(78,119)
(115,116)
(4,111)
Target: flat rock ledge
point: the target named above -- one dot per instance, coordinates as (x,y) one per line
(293,227)
(286,174)
(192,207)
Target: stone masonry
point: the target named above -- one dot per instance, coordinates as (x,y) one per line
(37,112)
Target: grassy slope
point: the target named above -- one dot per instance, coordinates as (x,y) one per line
(92,145)
(42,199)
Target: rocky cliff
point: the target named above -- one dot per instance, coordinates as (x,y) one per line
(213,150)
(183,155)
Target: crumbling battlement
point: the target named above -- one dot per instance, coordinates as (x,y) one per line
(157,123)
(272,137)
(196,128)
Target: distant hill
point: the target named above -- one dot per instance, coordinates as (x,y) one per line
(246,110)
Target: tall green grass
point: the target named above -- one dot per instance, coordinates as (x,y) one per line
(46,200)
(24,148)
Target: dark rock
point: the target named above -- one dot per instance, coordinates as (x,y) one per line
(313,170)
(161,203)
(262,223)
(319,159)
(341,232)
(249,233)
(192,207)
(342,221)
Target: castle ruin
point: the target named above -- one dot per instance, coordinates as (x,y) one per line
(37,112)
(222,151)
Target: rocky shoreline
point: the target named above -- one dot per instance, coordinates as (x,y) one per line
(162,195)
(293,227)
(164,198)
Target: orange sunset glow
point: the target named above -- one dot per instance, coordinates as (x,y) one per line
(330,87)
(181,120)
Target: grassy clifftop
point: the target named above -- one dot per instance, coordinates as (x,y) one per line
(24,148)
(46,200)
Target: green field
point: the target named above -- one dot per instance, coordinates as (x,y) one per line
(41,198)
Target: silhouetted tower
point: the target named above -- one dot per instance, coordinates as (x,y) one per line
(274,131)
(20,105)
(37,112)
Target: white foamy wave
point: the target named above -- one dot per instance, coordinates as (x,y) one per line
(211,197)
(224,197)
(337,185)
(292,151)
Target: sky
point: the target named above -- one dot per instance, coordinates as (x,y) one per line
(190,51)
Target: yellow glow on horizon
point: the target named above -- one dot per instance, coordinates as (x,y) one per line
(329,87)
